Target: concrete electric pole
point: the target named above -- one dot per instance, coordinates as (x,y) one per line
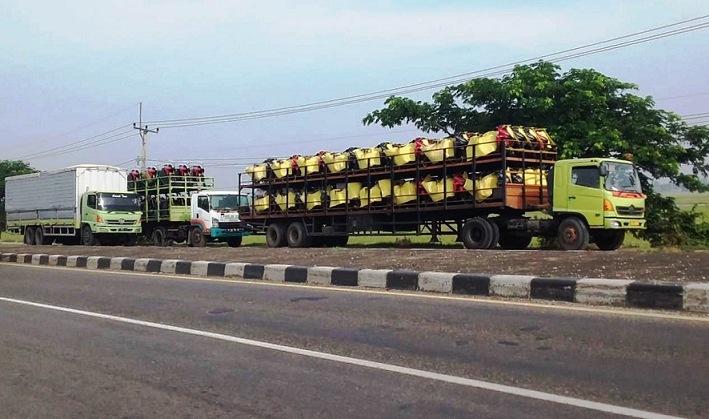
(144,138)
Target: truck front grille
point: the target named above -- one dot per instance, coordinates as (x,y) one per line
(631,210)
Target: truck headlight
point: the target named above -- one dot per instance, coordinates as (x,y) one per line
(215,222)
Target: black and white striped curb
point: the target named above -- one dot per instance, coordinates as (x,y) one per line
(613,292)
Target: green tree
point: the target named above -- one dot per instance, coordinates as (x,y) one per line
(10,168)
(589,115)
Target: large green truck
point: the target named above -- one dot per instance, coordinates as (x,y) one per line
(503,187)
(86,204)
(181,208)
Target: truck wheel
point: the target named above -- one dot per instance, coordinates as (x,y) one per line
(477,233)
(513,240)
(297,235)
(197,238)
(29,236)
(609,240)
(88,238)
(234,241)
(495,238)
(276,235)
(39,238)
(573,234)
(160,237)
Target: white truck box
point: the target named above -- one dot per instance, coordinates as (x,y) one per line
(56,194)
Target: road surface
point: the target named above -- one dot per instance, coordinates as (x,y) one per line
(82,344)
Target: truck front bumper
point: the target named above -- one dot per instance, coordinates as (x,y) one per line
(624,223)
(218,232)
(120,230)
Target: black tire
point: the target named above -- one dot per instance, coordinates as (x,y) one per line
(29,236)
(297,235)
(514,240)
(160,237)
(276,235)
(88,238)
(234,241)
(609,240)
(573,234)
(477,233)
(197,239)
(495,234)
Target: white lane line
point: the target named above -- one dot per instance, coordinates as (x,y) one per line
(501,388)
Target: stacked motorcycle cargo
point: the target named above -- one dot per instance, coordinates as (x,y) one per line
(159,189)
(422,172)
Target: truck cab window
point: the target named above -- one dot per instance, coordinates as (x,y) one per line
(91,201)
(203,203)
(588,176)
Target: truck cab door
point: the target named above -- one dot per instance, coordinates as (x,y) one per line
(584,194)
(89,208)
(202,211)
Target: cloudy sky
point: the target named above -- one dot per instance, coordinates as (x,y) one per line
(76,70)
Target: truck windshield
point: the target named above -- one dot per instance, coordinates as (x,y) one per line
(622,177)
(228,202)
(118,202)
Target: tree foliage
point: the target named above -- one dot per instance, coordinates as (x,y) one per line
(589,114)
(10,168)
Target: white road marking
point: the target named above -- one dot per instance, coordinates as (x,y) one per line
(563,306)
(500,388)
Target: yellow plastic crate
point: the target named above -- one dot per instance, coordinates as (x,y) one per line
(439,190)
(385,187)
(285,201)
(369,196)
(336,162)
(437,151)
(485,186)
(404,193)
(257,171)
(262,204)
(368,157)
(312,200)
(281,168)
(481,145)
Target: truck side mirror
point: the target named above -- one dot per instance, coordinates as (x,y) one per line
(603,169)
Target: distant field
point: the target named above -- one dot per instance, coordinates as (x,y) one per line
(687,200)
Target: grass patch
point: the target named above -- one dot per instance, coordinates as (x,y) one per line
(9,237)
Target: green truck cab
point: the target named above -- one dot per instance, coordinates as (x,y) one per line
(595,199)
(106,216)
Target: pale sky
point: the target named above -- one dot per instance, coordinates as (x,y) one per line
(74,70)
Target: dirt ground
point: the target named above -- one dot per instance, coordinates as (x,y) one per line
(655,265)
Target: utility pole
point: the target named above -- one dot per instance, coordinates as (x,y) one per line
(144,138)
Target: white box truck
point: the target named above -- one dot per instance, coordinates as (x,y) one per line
(87,204)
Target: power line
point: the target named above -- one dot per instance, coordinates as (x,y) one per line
(683,96)
(81,145)
(488,72)
(73,130)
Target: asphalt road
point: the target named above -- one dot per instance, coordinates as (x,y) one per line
(55,363)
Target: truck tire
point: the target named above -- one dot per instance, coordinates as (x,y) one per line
(234,241)
(276,235)
(573,234)
(160,237)
(197,239)
(39,237)
(29,236)
(495,234)
(88,238)
(515,240)
(297,235)
(609,240)
(477,233)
